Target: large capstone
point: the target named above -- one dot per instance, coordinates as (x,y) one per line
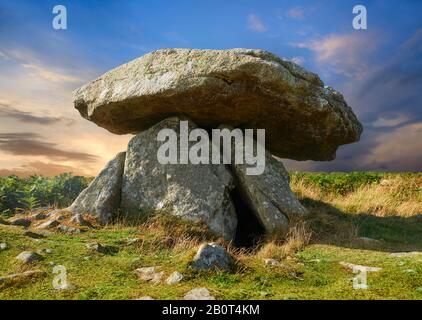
(242,88)
(102,198)
(198,192)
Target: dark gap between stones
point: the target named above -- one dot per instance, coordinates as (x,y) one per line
(249,230)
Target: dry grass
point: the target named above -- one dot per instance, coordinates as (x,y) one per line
(395,195)
(297,238)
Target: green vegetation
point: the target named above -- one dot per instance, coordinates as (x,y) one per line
(385,207)
(36,191)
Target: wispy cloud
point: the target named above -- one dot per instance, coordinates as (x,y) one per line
(256,24)
(32,144)
(10,112)
(49,74)
(343,53)
(297,13)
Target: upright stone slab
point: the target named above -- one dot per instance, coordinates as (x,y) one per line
(269,194)
(102,197)
(199,192)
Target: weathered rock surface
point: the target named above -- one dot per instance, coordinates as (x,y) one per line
(22,222)
(212,256)
(359,267)
(48,224)
(150,274)
(3,246)
(21,277)
(29,257)
(33,235)
(174,278)
(269,194)
(239,87)
(102,197)
(198,192)
(198,294)
(79,220)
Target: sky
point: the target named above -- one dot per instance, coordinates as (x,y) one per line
(378,70)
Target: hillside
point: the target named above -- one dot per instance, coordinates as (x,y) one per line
(369,219)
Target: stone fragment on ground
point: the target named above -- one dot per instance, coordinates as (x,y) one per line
(359,267)
(27,257)
(198,294)
(69,229)
(150,274)
(21,222)
(100,248)
(212,256)
(21,277)
(33,235)
(3,246)
(38,216)
(49,224)
(272,262)
(145,298)
(174,278)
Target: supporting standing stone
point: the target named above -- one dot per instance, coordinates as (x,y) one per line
(102,197)
(199,192)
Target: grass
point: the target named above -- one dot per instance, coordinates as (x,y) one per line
(387,209)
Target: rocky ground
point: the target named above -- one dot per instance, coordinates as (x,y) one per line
(165,259)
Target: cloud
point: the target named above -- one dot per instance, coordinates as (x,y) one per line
(31,144)
(399,150)
(344,54)
(49,74)
(254,23)
(297,13)
(7,111)
(390,121)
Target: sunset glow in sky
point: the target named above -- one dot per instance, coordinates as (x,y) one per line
(379,70)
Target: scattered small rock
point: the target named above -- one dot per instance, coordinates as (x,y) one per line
(46,250)
(150,274)
(198,294)
(359,267)
(272,262)
(212,256)
(3,246)
(56,214)
(39,216)
(69,230)
(19,277)
(22,222)
(131,241)
(100,248)
(174,278)
(33,235)
(29,257)
(146,298)
(48,224)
